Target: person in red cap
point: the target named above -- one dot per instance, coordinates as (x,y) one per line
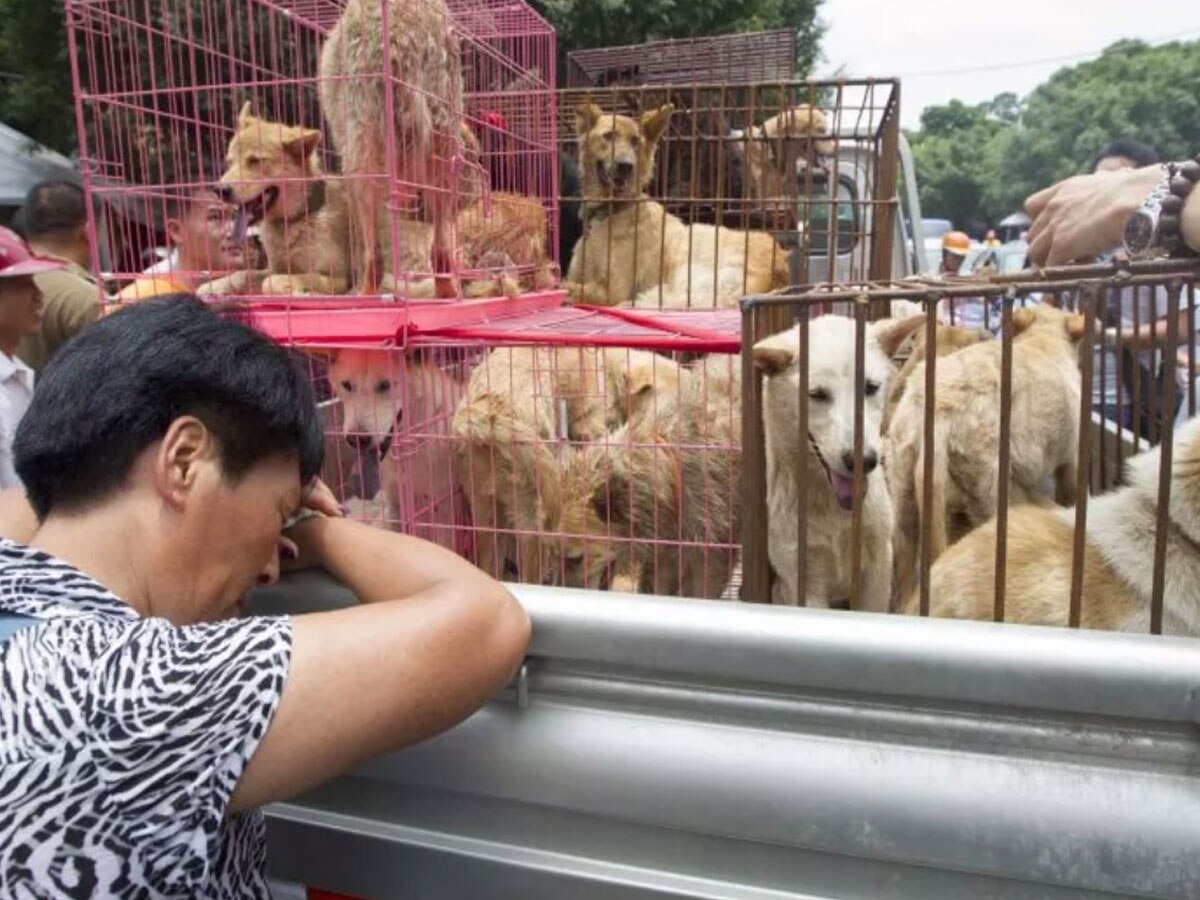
(20,316)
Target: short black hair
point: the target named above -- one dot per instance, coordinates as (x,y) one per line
(1135,151)
(114,389)
(54,207)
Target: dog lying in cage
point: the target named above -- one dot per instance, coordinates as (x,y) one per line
(824,459)
(397,407)
(1118,566)
(635,252)
(1044,432)
(524,411)
(420,55)
(657,501)
(776,155)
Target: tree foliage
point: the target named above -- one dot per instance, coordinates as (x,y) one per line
(977,164)
(35,72)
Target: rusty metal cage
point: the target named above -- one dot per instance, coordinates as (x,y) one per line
(727,58)
(753,187)
(953,459)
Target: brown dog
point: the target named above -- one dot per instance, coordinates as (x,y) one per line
(633,250)
(1044,433)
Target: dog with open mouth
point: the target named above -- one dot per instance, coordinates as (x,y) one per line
(398,407)
(824,458)
(274,173)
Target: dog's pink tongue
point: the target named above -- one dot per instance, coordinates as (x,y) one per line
(843,489)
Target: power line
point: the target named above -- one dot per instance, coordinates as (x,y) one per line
(1077,57)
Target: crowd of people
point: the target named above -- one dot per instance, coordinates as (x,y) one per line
(146,720)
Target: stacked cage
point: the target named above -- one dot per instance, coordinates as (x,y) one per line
(403,149)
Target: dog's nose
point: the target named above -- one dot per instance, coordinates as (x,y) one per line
(360,441)
(225,192)
(870,461)
(624,169)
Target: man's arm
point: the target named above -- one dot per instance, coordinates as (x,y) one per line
(17,521)
(433,640)
(1084,216)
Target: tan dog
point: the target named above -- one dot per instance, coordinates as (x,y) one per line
(1044,433)
(950,339)
(1118,574)
(633,250)
(642,508)
(274,173)
(420,54)
(399,408)
(776,153)
(523,409)
(825,459)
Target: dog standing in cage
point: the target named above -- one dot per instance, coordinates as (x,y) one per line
(419,56)
(635,252)
(824,458)
(1044,429)
(398,407)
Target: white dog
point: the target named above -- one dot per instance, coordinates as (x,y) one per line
(399,408)
(825,458)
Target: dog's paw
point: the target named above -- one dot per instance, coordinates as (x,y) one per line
(284,285)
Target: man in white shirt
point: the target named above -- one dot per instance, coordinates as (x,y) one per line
(20,317)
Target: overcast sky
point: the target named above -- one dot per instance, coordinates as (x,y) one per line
(946,49)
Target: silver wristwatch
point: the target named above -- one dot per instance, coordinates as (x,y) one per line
(1141,229)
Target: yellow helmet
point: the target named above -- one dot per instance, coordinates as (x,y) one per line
(957,243)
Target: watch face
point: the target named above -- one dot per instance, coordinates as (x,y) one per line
(1139,233)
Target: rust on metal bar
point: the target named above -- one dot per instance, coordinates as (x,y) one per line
(926,563)
(1166,455)
(1002,474)
(802,487)
(1085,454)
(856,510)
(756,564)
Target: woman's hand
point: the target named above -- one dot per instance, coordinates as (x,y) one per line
(1085,216)
(298,545)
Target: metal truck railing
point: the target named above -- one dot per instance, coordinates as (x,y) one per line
(668,748)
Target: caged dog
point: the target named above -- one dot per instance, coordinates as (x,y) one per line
(776,155)
(949,339)
(398,407)
(1044,432)
(1118,569)
(654,507)
(420,53)
(524,411)
(632,250)
(824,458)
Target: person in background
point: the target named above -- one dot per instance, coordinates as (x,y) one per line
(56,226)
(955,247)
(1085,217)
(201,228)
(20,316)
(991,240)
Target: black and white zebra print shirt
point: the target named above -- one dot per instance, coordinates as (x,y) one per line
(122,739)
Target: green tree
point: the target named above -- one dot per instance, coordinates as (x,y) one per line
(35,72)
(582,24)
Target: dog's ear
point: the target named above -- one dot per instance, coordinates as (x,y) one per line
(773,356)
(1076,324)
(246,116)
(302,142)
(654,124)
(891,334)
(587,114)
(1023,319)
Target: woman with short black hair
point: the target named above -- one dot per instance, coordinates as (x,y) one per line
(142,722)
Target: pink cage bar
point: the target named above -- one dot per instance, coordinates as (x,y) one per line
(160,87)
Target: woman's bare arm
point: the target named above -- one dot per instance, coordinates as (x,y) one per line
(433,641)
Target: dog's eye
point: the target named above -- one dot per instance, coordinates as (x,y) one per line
(253,160)
(871,388)
(820,395)
(635,140)
(574,559)
(384,387)
(348,387)
(609,135)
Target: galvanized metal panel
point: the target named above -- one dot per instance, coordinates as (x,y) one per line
(700,749)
